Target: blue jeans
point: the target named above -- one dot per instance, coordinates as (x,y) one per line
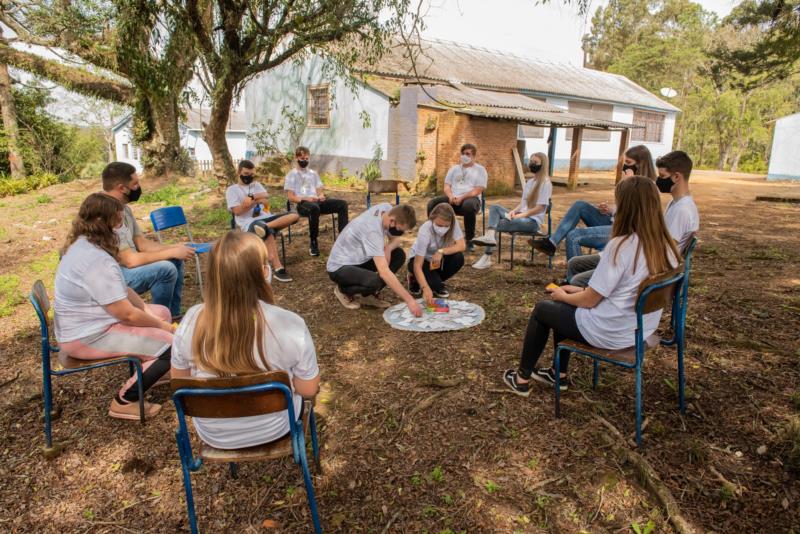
(579,211)
(525,225)
(164,280)
(594,237)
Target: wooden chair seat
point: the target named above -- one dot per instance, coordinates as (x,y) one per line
(68,362)
(627,355)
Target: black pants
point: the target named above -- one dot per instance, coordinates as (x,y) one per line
(150,376)
(436,278)
(548,315)
(468,209)
(313,210)
(364,279)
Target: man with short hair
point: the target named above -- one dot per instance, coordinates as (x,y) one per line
(463,186)
(362,262)
(146,264)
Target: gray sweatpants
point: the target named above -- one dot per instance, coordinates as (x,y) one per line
(581,268)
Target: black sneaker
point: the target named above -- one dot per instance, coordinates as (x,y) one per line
(281,275)
(548,376)
(314,248)
(510,380)
(545,246)
(413,286)
(443,294)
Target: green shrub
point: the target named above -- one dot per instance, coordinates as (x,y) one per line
(15,186)
(170,195)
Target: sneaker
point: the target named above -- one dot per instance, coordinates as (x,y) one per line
(487,240)
(281,275)
(470,246)
(374,301)
(263,231)
(314,248)
(484,262)
(347,301)
(510,380)
(548,376)
(545,246)
(130,410)
(443,294)
(413,286)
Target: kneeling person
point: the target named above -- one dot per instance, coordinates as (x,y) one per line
(362,262)
(245,200)
(436,255)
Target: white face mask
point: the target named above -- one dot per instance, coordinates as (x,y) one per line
(440,230)
(465,160)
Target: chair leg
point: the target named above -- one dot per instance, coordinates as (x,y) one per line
(595,374)
(234,469)
(199,273)
(499,247)
(312,500)
(638,406)
(312,429)
(550,262)
(289,231)
(333,223)
(140,387)
(47,394)
(557,367)
(283,251)
(187,486)
(368,201)
(513,237)
(681,376)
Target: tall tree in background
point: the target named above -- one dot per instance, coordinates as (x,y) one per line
(10,127)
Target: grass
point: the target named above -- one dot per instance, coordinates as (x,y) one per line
(44,199)
(170,195)
(10,296)
(343,182)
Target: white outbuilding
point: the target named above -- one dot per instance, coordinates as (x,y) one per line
(784,161)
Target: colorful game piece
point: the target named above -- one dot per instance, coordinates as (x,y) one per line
(551,285)
(439,306)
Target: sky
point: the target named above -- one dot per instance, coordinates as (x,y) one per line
(551,32)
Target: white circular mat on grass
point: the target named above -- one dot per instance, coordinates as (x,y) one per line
(461,315)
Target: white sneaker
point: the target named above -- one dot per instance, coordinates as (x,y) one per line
(347,301)
(484,262)
(486,240)
(373,301)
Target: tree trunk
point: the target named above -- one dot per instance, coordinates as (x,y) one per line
(156,132)
(214,135)
(9,113)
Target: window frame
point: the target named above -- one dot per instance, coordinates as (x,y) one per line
(592,134)
(311,105)
(649,119)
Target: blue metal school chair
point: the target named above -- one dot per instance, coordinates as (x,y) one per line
(278,234)
(655,293)
(41,304)
(531,234)
(333,222)
(171,217)
(243,396)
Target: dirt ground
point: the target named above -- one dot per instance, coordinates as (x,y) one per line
(474,459)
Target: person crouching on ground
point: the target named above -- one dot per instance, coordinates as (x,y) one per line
(238,331)
(603,314)
(362,262)
(436,255)
(248,200)
(97,316)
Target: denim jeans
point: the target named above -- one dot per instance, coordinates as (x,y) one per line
(499,223)
(579,211)
(164,280)
(594,237)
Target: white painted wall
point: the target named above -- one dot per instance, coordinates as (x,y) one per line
(192,139)
(600,154)
(784,162)
(267,94)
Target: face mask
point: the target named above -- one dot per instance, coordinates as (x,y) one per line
(246,180)
(665,185)
(303,163)
(465,160)
(535,167)
(441,231)
(626,167)
(395,232)
(134,194)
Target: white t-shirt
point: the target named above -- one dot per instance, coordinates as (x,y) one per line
(612,323)
(235,195)
(543,199)
(304,182)
(361,240)
(288,347)
(428,242)
(87,279)
(682,219)
(465,179)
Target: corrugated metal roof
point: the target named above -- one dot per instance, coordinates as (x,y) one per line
(446,61)
(459,95)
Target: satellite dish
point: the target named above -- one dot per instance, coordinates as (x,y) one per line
(668,92)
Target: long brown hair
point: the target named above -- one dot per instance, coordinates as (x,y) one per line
(541,176)
(98,215)
(639,212)
(644,161)
(444,211)
(231,322)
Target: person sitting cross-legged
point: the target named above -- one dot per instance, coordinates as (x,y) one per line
(304,187)
(248,200)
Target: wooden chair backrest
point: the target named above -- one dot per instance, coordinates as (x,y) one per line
(688,244)
(660,298)
(234,404)
(40,294)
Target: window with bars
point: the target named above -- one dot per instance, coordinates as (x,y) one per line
(594,111)
(319,106)
(125,153)
(653,126)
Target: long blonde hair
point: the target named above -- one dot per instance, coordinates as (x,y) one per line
(231,321)
(541,176)
(444,211)
(639,212)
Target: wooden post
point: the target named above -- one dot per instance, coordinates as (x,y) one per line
(575,157)
(623,146)
(518,166)
(551,150)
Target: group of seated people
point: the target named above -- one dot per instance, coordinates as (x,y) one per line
(107,262)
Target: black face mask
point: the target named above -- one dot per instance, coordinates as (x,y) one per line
(303,163)
(626,167)
(246,180)
(134,194)
(395,232)
(665,185)
(535,167)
